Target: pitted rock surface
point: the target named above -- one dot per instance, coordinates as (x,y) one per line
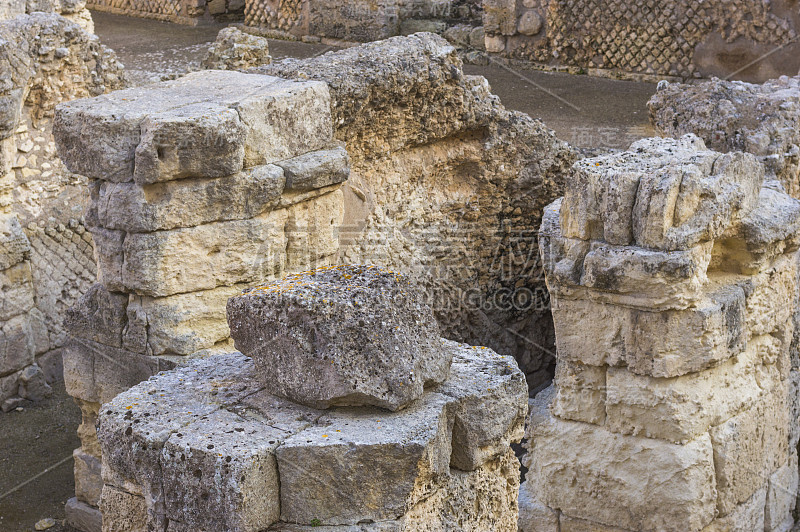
(344,336)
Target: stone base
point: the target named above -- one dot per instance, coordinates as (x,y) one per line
(83,517)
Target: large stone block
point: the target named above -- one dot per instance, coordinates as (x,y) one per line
(748,448)
(99,316)
(364,464)
(596,333)
(782,497)
(316,169)
(199,140)
(199,258)
(194,125)
(626,275)
(682,408)
(178,325)
(16,290)
(220,473)
(581,392)
(746,516)
(189,202)
(16,345)
(14,245)
(631,482)
(533,515)
(661,194)
(490,404)
(349,335)
(123,511)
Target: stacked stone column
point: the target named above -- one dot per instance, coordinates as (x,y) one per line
(351,412)
(673,271)
(199,187)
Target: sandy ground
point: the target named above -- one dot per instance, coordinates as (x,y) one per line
(588,112)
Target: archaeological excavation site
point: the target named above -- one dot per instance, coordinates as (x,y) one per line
(399,265)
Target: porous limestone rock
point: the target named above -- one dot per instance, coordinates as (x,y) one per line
(349,335)
(236,50)
(733,115)
(232,119)
(631,482)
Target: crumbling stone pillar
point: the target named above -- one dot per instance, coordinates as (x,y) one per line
(199,187)
(674,277)
(290,438)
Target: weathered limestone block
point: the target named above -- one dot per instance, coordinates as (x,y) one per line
(312,231)
(198,258)
(86,431)
(533,515)
(748,448)
(581,394)
(14,245)
(16,345)
(88,480)
(361,332)
(661,194)
(123,511)
(99,316)
(782,496)
(597,334)
(16,290)
(319,478)
(215,113)
(626,275)
(769,230)
(490,404)
(572,524)
(220,473)
(624,481)
(236,50)
(189,202)
(193,141)
(770,295)
(682,408)
(82,516)
(178,325)
(316,169)
(33,385)
(748,515)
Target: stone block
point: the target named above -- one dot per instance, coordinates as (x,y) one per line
(771,295)
(626,275)
(14,245)
(118,117)
(88,479)
(581,392)
(9,385)
(198,140)
(189,202)
(220,473)
(290,119)
(624,481)
(32,384)
(86,430)
(109,257)
(312,232)
(596,333)
(347,336)
(83,517)
(746,516)
(123,511)
(197,258)
(680,409)
(781,497)
(533,515)
(490,404)
(316,169)
(571,524)
(180,324)
(16,290)
(662,194)
(16,345)
(99,316)
(363,464)
(748,448)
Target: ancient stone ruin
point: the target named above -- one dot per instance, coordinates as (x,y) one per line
(263,199)
(674,276)
(47,260)
(290,438)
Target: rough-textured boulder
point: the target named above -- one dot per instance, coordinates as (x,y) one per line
(736,116)
(345,336)
(237,50)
